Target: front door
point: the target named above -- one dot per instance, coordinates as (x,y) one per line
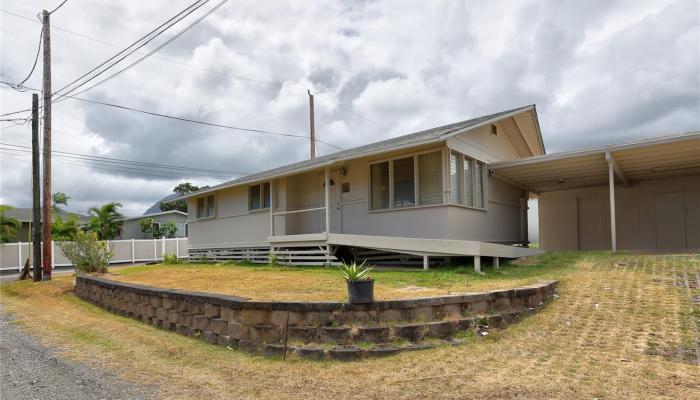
(335,212)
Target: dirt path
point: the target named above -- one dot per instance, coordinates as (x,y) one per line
(29,370)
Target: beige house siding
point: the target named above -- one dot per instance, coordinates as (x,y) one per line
(579,219)
(234,224)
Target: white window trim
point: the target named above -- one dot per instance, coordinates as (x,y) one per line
(463,202)
(262,197)
(416,182)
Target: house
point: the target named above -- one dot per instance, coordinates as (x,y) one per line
(454,191)
(420,198)
(642,195)
(131,226)
(24,216)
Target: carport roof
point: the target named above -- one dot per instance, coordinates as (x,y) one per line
(660,157)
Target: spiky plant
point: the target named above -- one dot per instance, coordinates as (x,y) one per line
(354,272)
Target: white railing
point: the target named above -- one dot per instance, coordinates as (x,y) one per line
(14,255)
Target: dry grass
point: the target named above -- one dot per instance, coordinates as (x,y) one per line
(261,282)
(592,342)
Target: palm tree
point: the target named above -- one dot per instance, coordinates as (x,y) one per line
(58,198)
(105,220)
(8,225)
(64,230)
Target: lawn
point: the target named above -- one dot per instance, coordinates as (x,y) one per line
(624,326)
(326,284)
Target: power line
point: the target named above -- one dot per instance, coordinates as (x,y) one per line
(322,95)
(133,64)
(59,6)
(127,51)
(250,130)
(128,162)
(36,59)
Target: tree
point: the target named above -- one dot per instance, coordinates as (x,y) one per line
(8,225)
(63,230)
(168,229)
(147,226)
(180,205)
(105,221)
(58,198)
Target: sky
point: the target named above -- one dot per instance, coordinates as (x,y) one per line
(598,71)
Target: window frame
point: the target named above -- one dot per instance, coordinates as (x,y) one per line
(473,162)
(206,198)
(416,180)
(261,191)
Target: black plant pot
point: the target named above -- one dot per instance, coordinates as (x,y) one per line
(361,291)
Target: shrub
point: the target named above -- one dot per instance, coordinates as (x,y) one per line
(87,252)
(171,259)
(273,259)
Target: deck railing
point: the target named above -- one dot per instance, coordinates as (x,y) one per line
(14,255)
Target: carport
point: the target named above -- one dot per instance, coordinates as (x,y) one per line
(660,175)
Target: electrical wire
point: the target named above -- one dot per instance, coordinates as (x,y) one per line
(125,162)
(59,6)
(36,60)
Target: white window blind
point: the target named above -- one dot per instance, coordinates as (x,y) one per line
(480,184)
(455,178)
(469,181)
(379,182)
(430,178)
(404,183)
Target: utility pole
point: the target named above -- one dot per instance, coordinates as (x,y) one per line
(36,191)
(312,125)
(46,226)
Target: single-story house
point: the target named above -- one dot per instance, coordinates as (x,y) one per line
(459,190)
(24,216)
(421,198)
(131,227)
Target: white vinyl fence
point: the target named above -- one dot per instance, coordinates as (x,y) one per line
(14,255)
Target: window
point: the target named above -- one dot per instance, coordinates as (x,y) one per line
(205,206)
(379,182)
(456,178)
(259,196)
(430,178)
(469,181)
(480,184)
(404,182)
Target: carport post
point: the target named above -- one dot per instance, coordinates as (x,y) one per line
(496,263)
(611,185)
(425,262)
(327,197)
(477,264)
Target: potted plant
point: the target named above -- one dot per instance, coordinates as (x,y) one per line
(360,285)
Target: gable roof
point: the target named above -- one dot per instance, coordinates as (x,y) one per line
(155,214)
(427,136)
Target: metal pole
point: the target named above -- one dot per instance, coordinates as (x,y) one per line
(611,185)
(327,195)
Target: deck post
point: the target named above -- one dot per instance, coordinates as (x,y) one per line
(611,185)
(272,208)
(477,264)
(327,196)
(496,263)
(426,265)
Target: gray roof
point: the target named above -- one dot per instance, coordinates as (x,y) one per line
(25,214)
(413,139)
(155,208)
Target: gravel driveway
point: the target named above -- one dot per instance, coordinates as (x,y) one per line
(29,370)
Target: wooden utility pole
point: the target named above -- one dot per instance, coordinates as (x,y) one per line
(312,125)
(36,191)
(46,226)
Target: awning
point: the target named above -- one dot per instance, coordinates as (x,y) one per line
(633,161)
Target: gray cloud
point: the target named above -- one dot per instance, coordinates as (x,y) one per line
(599,72)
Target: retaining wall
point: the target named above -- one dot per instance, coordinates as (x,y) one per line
(310,327)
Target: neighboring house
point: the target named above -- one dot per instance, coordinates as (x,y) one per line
(427,196)
(131,227)
(24,216)
(653,186)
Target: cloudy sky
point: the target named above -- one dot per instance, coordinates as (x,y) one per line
(598,71)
